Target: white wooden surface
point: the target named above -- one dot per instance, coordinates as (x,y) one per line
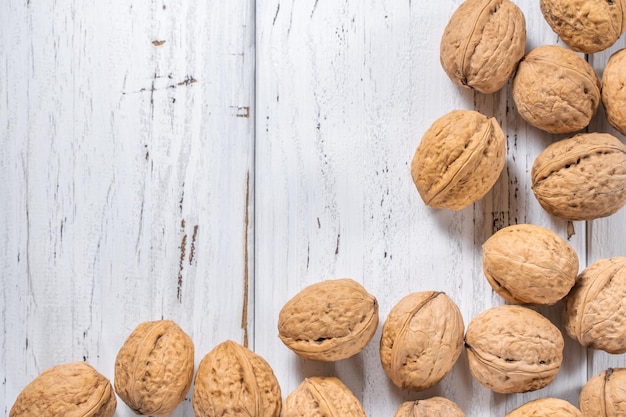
(204,161)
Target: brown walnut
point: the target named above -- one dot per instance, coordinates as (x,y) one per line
(556,90)
(546,407)
(483,43)
(581,178)
(595,310)
(513,349)
(154,368)
(586,26)
(604,395)
(234,381)
(528,264)
(431,407)
(614,90)
(73,389)
(329,321)
(322,396)
(421,340)
(459,159)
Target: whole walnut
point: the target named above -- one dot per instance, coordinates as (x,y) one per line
(595,310)
(556,90)
(528,264)
(604,395)
(513,349)
(154,368)
(421,340)
(459,159)
(329,321)
(546,407)
(581,178)
(483,43)
(431,407)
(234,381)
(587,26)
(72,389)
(322,396)
(614,90)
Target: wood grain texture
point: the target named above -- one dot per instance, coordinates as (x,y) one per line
(345,91)
(130,150)
(204,161)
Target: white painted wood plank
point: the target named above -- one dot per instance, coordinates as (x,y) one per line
(345,91)
(129,166)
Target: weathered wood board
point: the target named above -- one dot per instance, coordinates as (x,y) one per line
(205,161)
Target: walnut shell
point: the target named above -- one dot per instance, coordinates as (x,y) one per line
(329,321)
(581,178)
(587,26)
(72,389)
(322,396)
(421,340)
(234,381)
(614,90)
(459,159)
(154,368)
(546,407)
(595,309)
(556,90)
(604,395)
(483,43)
(513,349)
(528,264)
(431,407)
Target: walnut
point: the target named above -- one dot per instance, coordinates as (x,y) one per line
(431,407)
(604,395)
(459,159)
(483,43)
(70,389)
(154,368)
(581,178)
(546,407)
(586,26)
(330,320)
(513,349)
(614,90)
(421,340)
(234,381)
(528,264)
(322,396)
(595,310)
(556,90)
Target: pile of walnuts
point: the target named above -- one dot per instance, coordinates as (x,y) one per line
(510,348)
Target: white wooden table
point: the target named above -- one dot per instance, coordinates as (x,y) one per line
(203,161)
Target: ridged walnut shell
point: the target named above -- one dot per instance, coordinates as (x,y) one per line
(322,397)
(614,90)
(556,90)
(513,349)
(73,389)
(595,310)
(483,43)
(581,178)
(528,264)
(431,407)
(421,340)
(154,368)
(604,395)
(234,381)
(546,407)
(329,321)
(586,26)
(459,159)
